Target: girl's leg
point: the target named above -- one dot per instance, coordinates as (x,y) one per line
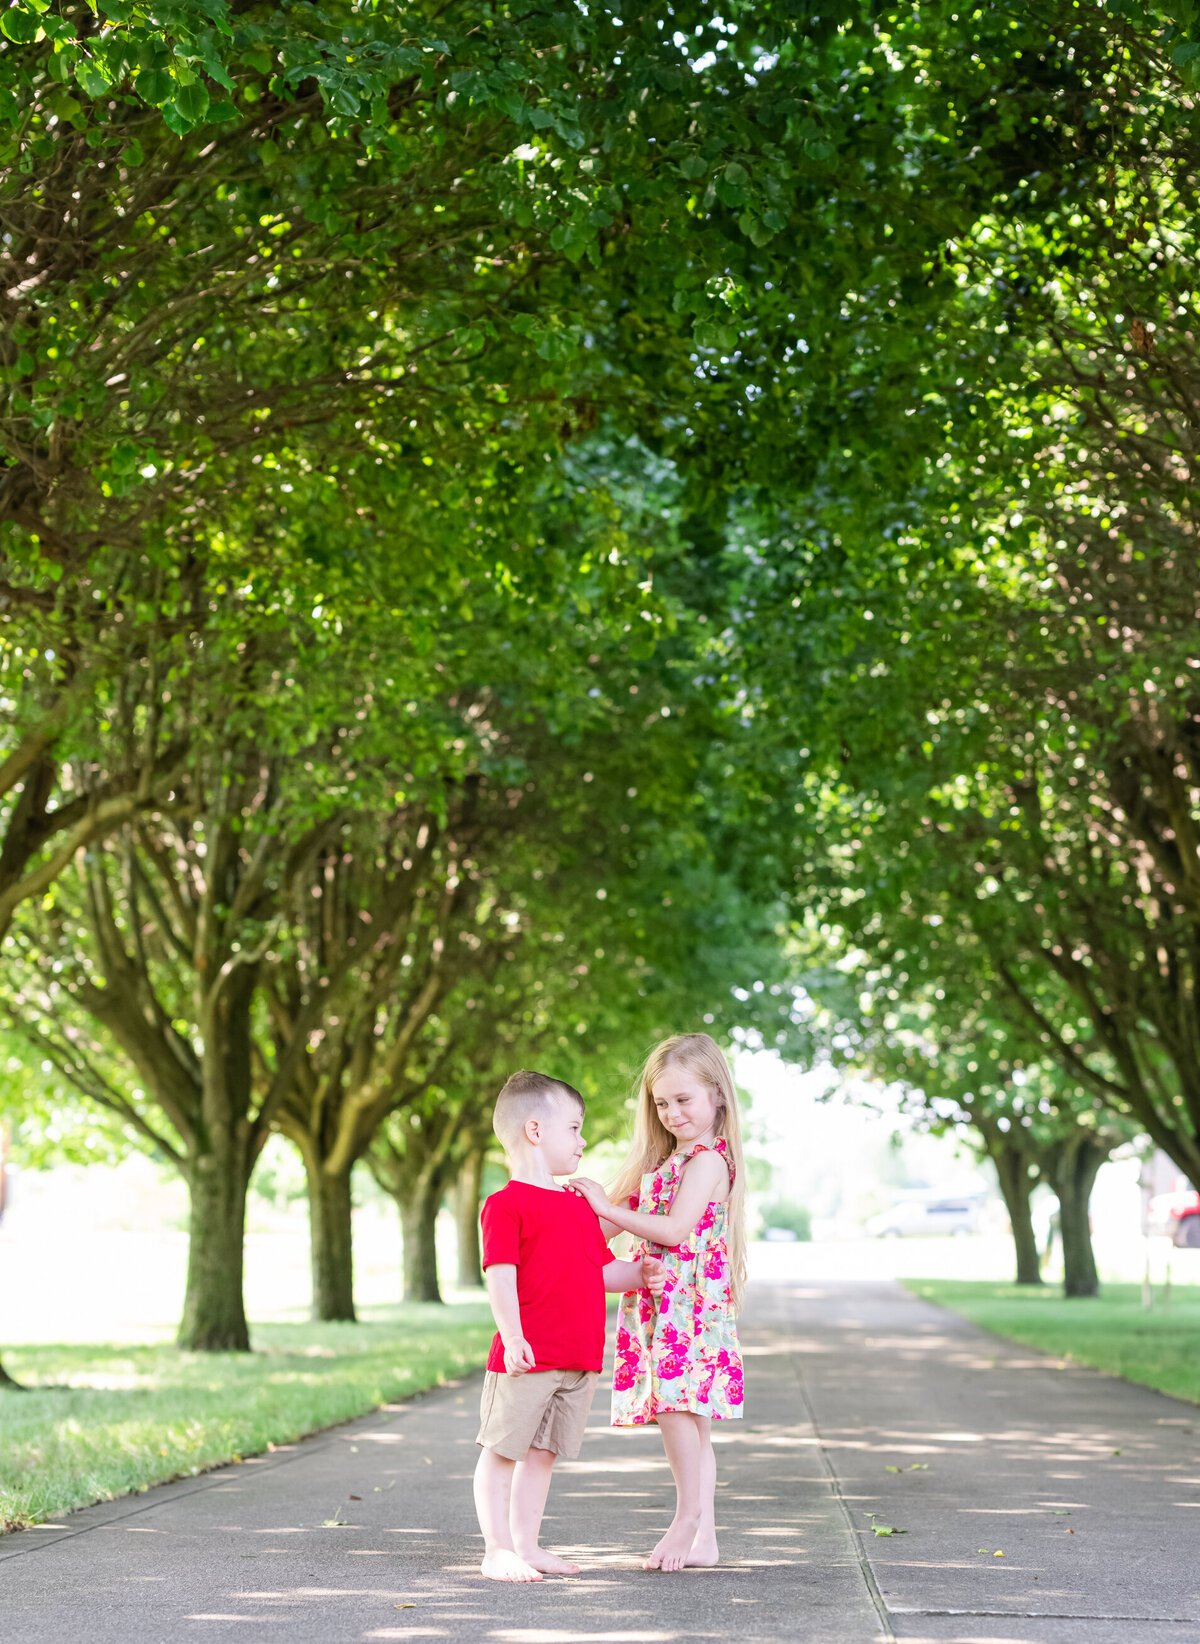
(704,1547)
(530,1486)
(683,1444)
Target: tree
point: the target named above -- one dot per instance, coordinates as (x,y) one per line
(161,943)
(588,984)
(970,628)
(270,258)
(966,1065)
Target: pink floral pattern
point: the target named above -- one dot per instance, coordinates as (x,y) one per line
(682,1354)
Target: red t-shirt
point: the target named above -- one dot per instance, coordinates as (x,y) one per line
(554,1241)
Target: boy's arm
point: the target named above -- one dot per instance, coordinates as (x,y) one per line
(506,1310)
(648,1274)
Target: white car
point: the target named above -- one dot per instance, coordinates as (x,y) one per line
(927,1216)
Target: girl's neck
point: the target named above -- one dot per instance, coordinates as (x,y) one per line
(707,1140)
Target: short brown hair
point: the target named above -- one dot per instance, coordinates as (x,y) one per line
(525,1094)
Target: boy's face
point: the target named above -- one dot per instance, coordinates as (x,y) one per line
(558,1135)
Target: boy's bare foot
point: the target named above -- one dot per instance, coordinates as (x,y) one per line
(550,1563)
(506,1566)
(672,1551)
(703,1554)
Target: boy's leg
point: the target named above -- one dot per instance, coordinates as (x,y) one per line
(531,1485)
(704,1547)
(493,1496)
(683,1443)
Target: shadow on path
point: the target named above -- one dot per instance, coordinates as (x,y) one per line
(367,1532)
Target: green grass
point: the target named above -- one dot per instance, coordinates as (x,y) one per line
(101,1421)
(1113,1332)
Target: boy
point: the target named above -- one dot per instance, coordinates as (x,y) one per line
(547,1269)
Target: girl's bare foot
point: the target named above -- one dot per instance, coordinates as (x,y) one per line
(672,1551)
(507,1566)
(703,1554)
(550,1563)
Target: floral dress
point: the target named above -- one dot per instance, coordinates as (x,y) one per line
(682,1352)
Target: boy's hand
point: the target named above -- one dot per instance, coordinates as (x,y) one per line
(592,1192)
(654,1275)
(518,1356)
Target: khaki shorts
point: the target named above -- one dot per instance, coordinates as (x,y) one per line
(541,1410)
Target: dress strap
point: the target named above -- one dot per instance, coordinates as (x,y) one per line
(719,1146)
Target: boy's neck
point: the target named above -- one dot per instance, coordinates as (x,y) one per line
(530,1167)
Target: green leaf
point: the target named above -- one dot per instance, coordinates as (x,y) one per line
(755,229)
(89,76)
(191,102)
(19,27)
(153,86)
(712,334)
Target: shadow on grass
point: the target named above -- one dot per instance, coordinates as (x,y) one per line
(99,1421)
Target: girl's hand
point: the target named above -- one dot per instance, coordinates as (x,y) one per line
(654,1275)
(592,1192)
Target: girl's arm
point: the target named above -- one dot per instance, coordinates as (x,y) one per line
(705,1178)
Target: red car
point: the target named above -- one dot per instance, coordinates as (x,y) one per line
(1177,1215)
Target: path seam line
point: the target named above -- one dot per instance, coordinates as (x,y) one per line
(1051,1615)
(835,1487)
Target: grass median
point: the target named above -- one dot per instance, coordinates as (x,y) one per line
(100,1421)
(1157,1346)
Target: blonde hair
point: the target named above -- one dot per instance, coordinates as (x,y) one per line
(653,1143)
(527,1094)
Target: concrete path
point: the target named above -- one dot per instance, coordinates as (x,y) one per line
(1000,1450)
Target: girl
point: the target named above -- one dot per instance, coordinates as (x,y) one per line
(681,1196)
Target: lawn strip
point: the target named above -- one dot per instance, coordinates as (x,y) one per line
(101,1421)
(1158,1346)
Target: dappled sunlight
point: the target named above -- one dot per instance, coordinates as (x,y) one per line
(1023,1637)
(226,1617)
(560,1635)
(408,1632)
(624,1464)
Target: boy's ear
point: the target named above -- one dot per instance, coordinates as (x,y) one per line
(533,1131)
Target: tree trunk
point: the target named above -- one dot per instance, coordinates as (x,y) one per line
(1017,1185)
(418,1220)
(214,1312)
(331,1242)
(1074,1167)
(467,1193)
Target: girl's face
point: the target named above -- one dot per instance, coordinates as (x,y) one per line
(684,1104)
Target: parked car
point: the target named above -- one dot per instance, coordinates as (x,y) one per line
(1176,1216)
(927,1215)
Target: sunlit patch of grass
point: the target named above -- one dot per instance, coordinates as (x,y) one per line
(99,1421)
(1158,1346)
